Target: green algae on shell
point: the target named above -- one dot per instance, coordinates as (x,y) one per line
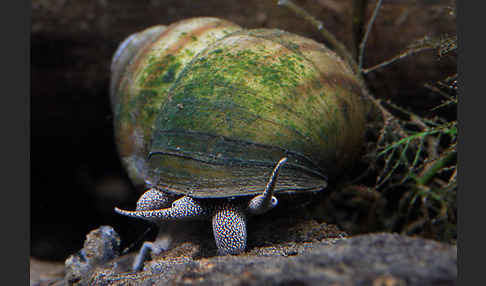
(217,106)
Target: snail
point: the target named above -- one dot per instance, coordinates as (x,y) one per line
(221,120)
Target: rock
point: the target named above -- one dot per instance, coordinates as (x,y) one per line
(101,246)
(315,254)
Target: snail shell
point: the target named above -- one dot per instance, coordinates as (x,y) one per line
(217,106)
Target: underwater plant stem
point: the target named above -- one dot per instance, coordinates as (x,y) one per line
(437,166)
(362,45)
(396,58)
(358,18)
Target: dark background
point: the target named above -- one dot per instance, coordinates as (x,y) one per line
(76,176)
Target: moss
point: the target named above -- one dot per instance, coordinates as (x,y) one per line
(189,53)
(146,99)
(217,51)
(169,75)
(251,94)
(159,71)
(229,92)
(293,46)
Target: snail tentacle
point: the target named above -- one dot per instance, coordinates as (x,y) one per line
(164,214)
(183,208)
(266,201)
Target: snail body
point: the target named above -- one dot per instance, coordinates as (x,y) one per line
(205,110)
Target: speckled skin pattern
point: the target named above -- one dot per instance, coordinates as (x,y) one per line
(228,218)
(154,199)
(229,229)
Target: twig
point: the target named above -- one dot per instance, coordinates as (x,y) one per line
(419,121)
(359,13)
(367,32)
(396,58)
(453,177)
(444,46)
(438,91)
